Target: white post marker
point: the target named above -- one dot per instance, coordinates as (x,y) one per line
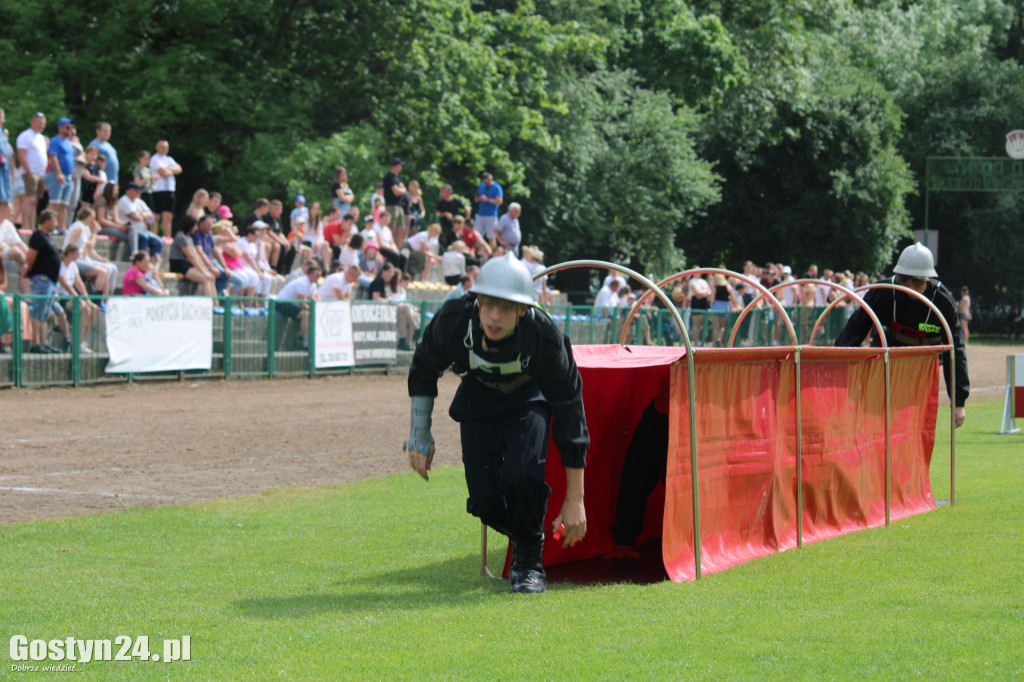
(1014,405)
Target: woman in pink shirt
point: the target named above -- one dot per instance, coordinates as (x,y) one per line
(135,282)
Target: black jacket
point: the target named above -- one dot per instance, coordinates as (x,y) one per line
(535,364)
(903,317)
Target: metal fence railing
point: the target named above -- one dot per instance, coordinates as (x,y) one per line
(248,342)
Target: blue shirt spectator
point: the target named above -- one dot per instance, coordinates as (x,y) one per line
(103,145)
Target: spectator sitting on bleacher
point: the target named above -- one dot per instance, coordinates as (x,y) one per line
(136,282)
(338,286)
(351,253)
(71,284)
(11,246)
(213,257)
(424,246)
(243,281)
(385,286)
(42,269)
(336,234)
(94,267)
(408,315)
(132,208)
(371,262)
(251,247)
(186,260)
(453,262)
(291,300)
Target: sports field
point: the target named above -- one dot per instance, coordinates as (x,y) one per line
(298,574)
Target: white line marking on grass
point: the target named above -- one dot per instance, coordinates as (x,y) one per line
(85,492)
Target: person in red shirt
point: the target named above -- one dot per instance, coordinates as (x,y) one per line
(336,235)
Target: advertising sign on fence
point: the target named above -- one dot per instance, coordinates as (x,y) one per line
(159,334)
(375,333)
(333,339)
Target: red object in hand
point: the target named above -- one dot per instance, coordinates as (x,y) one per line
(557,535)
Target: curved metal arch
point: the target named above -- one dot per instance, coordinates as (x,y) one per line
(655,290)
(727,273)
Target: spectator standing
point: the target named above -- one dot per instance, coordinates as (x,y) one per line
(165,169)
(6,162)
(341,192)
(489,197)
(102,143)
(447,208)
(142,175)
(76,176)
(394,195)
(413,208)
(700,295)
(32,147)
(963,312)
(507,231)
(42,269)
(61,154)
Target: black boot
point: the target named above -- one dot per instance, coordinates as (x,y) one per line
(527,571)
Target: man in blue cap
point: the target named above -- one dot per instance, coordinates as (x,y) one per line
(62,164)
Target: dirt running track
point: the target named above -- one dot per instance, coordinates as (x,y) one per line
(67,452)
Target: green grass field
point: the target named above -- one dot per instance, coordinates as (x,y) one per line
(379,580)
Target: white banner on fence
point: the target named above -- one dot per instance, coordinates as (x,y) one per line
(159,333)
(332,342)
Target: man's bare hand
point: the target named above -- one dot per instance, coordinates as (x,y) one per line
(420,463)
(959,415)
(574,519)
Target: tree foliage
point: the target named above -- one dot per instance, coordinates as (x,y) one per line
(663,130)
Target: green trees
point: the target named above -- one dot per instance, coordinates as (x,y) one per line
(667,131)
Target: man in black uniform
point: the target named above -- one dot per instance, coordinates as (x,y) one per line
(909,322)
(517,373)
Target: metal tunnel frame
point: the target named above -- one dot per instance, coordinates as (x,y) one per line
(768,295)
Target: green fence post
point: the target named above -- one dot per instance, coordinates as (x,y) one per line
(271,334)
(225,339)
(310,354)
(17,346)
(76,340)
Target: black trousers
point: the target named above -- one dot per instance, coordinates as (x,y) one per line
(504,462)
(642,469)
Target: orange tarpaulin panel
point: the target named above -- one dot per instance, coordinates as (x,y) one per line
(747,446)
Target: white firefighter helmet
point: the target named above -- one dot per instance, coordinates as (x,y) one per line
(916,261)
(506,278)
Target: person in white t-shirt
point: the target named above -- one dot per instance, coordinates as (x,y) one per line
(94,267)
(424,247)
(32,160)
(251,247)
(290,300)
(12,247)
(165,168)
(338,286)
(71,284)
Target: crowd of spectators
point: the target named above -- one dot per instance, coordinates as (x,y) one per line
(87,195)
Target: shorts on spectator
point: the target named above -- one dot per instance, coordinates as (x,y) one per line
(397,214)
(18,188)
(180,267)
(39,308)
(59,193)
(417,264)
(34,185)
(163,202)
(288,309)
(485,225)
